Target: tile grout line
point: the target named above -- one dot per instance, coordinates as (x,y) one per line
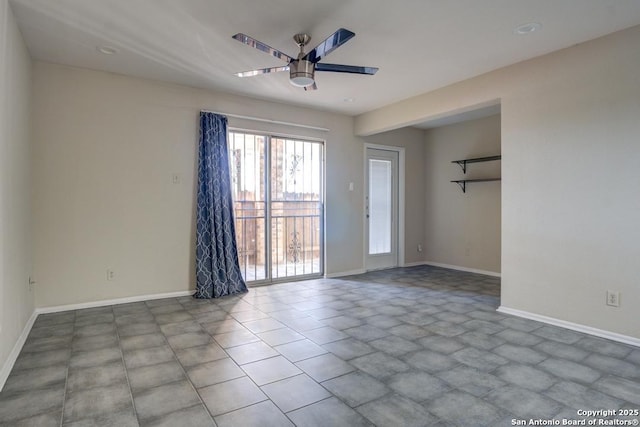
(278,355)
(184,371)
(66,378)
(124,366)
(240,366)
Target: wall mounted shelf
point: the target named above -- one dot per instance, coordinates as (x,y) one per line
(463,164)
(463,182)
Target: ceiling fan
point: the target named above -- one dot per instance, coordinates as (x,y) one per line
(302,69)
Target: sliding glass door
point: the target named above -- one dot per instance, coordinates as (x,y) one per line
(278,203)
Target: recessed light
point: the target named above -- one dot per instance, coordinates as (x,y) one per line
(349,99)
(107,50)
(527,28)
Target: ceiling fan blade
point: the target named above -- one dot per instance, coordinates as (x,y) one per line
(333,42)
(339,68)
(311,87)
(262,71)
(249,41)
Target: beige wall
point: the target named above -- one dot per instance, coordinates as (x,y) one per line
(463,229)
(570,155)
(412,140)
(16,299)
(106,147)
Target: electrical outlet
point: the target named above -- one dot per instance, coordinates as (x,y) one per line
(419,248)
(613,298)
(175,178)
(111,275)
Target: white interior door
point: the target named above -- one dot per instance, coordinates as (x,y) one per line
(381,209)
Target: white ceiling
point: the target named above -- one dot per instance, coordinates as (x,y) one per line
(419,45)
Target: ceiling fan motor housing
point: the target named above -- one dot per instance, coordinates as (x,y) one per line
(301,72)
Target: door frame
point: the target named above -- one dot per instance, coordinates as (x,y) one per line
(268,137)
(401,200)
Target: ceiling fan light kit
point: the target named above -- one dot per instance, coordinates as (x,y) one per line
(302,69)
(301,73)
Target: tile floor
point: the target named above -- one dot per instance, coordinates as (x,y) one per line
(404,347)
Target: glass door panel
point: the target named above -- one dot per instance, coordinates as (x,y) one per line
(247,167)
(296,208)
(380,206)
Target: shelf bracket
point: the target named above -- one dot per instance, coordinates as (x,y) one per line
(463,185)
(463,165)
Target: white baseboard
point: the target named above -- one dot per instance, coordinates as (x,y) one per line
(15,352)
(570,325)
(418,263)
(459,268)
(345,273)
(103,303)
(414,264)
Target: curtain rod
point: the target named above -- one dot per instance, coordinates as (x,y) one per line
(277,122)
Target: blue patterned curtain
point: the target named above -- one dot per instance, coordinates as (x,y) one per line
(217,267)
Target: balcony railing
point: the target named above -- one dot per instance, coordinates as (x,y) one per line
(296,239)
